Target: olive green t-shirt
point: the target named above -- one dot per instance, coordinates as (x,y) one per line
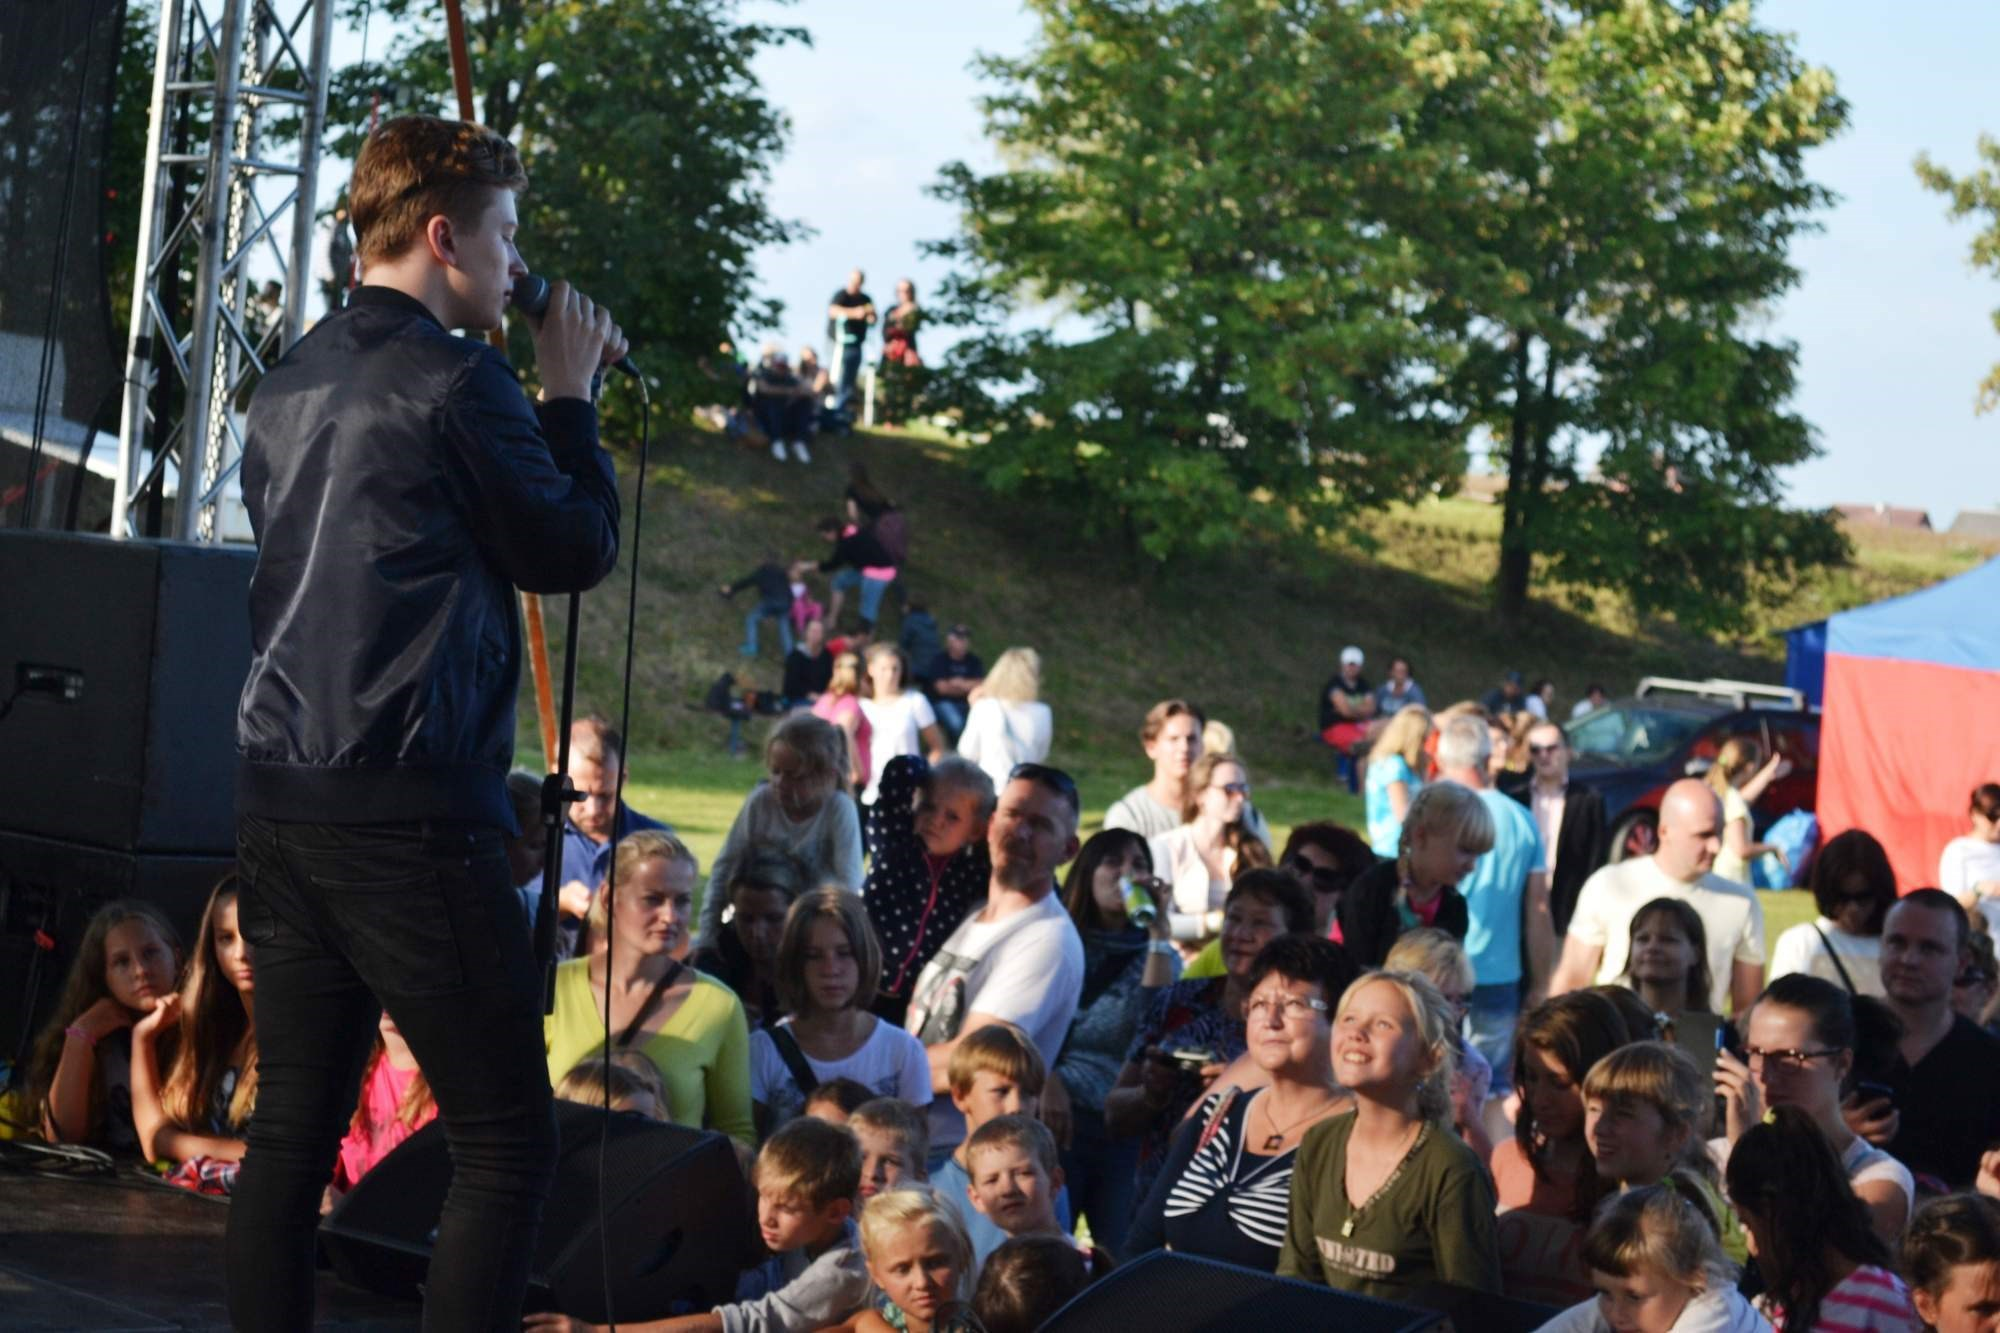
(1433,1224)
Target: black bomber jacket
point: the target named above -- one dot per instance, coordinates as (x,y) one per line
(402,487)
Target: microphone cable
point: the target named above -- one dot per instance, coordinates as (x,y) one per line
(618,827)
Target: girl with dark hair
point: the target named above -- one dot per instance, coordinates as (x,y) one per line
(211,1086)
(79,1076)
(1545,1178)
(1225,1191)
(1326,858)
(1124,964)
(1823,1264)
(1668,961)
(1853,887)
(1951,1258)
(1969,869)
(1799,1052)
(764,879)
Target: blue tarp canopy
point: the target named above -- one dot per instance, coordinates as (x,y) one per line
(1805,660)
(1954,624)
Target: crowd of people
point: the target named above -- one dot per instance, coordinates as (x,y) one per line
(1458,1051)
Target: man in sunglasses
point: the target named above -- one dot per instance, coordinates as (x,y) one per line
(1569,816)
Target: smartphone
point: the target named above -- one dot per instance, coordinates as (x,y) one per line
(1700,1036)
(1866,1091)
(1194,1058)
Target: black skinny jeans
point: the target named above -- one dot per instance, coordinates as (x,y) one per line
(420,919)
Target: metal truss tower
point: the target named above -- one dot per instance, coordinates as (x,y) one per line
(239,67)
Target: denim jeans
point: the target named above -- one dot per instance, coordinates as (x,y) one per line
(1489,1025)
(871,592)
(1102,1173)
(422,919)
(778,611)
(850,371)
(784,418)
(951,716)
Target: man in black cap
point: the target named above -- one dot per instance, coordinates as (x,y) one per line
(953,675)
(1506,699)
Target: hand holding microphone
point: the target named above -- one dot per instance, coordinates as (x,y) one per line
(575,339)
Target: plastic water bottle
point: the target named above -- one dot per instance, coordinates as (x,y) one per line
(1139,908)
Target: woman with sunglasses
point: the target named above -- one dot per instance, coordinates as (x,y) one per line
(1200,859)
(1853,888)
(1225,1190)
(1799,1051)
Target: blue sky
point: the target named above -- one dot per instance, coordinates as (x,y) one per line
(1894,328)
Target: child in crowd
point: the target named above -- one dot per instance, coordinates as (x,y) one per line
(1653,1257)
(630,1082)
(1951,1257)
(1668,964)
(1824,1267)
(1646,1109)
(395,1103)
(200,1109)
(80,1075)
(1435,955)
(994,1071)
(827,966)
(1016,1173)
(836,1100)
(920,1261)
(895,1139)
(803,806)
(1545,1178)
(1027,1280)
(806,1177)
(928,831)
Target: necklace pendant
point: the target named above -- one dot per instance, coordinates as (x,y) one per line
(1347,1227)
(1274,1142)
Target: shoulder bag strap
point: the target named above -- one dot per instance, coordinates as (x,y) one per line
(795,1060)
(667,978)
(1834,954)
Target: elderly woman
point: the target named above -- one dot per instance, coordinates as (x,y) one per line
(1211,847)
(1447,831)
(1225,1190)
(1008,723)
(1192,1029)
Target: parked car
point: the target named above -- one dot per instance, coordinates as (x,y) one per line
(1632,749)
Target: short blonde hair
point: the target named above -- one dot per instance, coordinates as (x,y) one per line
(1016,676)
(1218,737)
(814,1159)
(893,1212)
(629,1074)
(826,904)
(998,1048)
(1452,811)
(1432,953)
(818,745)
(1656,1074)
(1404,735)
(634,850)
(1435,1030)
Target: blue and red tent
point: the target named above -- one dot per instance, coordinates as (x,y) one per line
(1912,718)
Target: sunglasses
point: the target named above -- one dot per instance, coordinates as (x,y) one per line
(1057,781)
(1539,750)
(1323,879)
(1973,977)
(1234,788)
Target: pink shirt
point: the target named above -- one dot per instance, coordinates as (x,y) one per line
(1868,1300)
(381,1096)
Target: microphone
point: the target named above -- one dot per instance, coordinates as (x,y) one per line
(531,297)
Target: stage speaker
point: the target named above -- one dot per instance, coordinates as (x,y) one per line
(676,1219)
(48,891)
(1188,1294)
(122,662)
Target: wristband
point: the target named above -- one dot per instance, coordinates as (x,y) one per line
(82,1034)
(1161,946)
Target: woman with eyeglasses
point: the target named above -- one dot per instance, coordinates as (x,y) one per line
(1853,887)
(1799,1051)
(1225,1190)
(1212,846)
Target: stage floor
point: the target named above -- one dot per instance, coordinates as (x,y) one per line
(118,1253)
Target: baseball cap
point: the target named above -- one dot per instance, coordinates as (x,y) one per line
(960,630)
(1350,654)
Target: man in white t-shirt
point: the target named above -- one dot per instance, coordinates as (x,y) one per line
(1600,930)
(1018,959)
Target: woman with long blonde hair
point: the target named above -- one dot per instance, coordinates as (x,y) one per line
(1740,775)
(1396,766)
(1009,724)
(840,704)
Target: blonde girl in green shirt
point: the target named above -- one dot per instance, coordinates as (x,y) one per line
(687,1023)
(1386,1200)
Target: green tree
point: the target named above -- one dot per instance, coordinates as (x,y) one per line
(1185,192)
(1975,193)
(647,142)
(1612,191)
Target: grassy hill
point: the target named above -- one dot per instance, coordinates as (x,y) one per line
(1251,639)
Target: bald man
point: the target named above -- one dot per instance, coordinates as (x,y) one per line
(1600,931)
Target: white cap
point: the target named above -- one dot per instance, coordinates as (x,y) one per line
(1350,654)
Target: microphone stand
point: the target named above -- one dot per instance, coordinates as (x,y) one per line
(557,792)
